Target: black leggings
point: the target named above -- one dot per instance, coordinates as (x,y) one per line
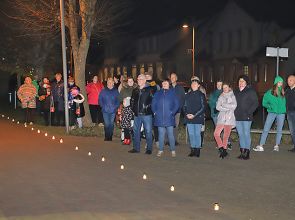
(127,133)
(96,114)
(29,114)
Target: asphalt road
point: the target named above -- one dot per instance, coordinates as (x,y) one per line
(43,179)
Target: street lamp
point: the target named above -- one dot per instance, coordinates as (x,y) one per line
(193,47)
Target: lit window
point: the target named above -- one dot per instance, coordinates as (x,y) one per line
(246,70)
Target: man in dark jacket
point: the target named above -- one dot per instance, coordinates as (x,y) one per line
(141,101)
(57,89)
(247,103)
(180,93)
(194,109)
(290,99)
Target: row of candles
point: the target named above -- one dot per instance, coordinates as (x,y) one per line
(216,206)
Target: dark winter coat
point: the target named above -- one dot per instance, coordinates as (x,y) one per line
(109,100)
(127,116)
(180,93)
(165,105)
(247,103)
(195,103)
(141,101)
(47,102)
(57,89)
(126,91)
(77,103)
(290,99)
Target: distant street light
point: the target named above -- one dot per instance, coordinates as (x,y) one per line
(193,47)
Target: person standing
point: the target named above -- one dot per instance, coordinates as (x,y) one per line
(165,105)
(275,102)
(126,120)
(247,103)
(46,100)
(180,93)
(290,100)
(93,90)
(213,101)
(27,96)
(57,89)
(226,105)
(76,110)
(127,89)
(109,102)
(194,109)
(141,101)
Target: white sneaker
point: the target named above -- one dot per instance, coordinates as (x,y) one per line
(101,125)
(159,154)
(276,148)
(258,148)
(173,153)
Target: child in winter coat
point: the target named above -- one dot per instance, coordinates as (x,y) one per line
(126,120)
(76,107)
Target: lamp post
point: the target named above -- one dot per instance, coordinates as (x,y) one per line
(193,47)
(64,60)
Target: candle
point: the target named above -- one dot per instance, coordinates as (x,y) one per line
(53,138)
(32,129)
(103,159)
(122,167)
(144,176)
(46,134)
(216,206)
(38,131)
(17,122)
(172,188)
(76,148)
(61,141)
(89,153)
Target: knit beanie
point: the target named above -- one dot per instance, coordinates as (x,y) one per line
(278,79)
(244,77)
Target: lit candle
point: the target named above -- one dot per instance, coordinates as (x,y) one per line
(144,176)
(76,148)
(103,159)
(8,118)
(216,206)
(25,125)
(53,138)
(61,141)
(3,116)
(32,129)
(89,153)
(122,167)
(12,120)
(38,131)
(46,134)
(172,188)
(17,122)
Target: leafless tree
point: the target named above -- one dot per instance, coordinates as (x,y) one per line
(83,18)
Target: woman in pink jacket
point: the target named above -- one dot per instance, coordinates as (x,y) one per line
(93,90)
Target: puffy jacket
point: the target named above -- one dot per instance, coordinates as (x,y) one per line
(274,104)
(77,102)
(93,91)
(109,100)
(213,101)
(165,105)
(126,91)
(27,95)
(247,103)
(141,101)
(226,106)
(195,103)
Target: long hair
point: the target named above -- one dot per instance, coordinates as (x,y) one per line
(275,91)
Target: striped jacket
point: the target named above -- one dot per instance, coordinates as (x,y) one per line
(27,95)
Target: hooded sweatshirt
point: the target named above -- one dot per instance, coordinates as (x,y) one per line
(275,104)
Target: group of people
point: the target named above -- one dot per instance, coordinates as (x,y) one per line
(147,110)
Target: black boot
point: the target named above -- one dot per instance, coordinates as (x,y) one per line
(246,155)
(197,152)
(242,153)
(223,153)
(192,153)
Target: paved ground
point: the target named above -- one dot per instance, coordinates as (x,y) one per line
(42,179)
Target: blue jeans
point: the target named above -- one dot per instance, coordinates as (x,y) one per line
(108,119)
(194,132)
(147,122)
(280,118)
(171,138)
(244,129)
(291,122)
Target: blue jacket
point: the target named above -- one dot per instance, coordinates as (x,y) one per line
(109,100)
(165,105)
(194,103)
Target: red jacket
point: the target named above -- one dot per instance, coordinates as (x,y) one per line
(93,90)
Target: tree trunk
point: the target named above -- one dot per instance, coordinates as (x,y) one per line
(79,66)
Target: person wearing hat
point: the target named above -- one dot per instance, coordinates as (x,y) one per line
(165,105)
(275,102)
(247,103)
(194,109)
(77,111)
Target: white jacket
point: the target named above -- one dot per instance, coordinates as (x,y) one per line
(226,105)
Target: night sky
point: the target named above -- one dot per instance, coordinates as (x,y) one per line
(154,14)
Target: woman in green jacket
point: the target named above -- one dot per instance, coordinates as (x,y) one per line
(275,102)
